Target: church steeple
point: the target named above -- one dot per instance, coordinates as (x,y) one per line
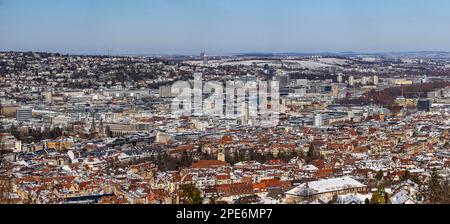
(221,154)
(101,131)
(93,128)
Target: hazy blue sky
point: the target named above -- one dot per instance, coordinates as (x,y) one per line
(224,26)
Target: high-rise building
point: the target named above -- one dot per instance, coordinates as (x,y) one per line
(204,58)
(284,83)
(283,80)
(24,114)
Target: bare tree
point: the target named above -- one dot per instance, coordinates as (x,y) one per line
(5,178)
(5,189)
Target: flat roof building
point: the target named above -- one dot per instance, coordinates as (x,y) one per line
(24,114)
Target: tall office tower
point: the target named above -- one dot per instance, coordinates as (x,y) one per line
(375,80)
(204,58)
(24,114)
(284,83)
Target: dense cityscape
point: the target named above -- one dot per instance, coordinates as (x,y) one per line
(352,129)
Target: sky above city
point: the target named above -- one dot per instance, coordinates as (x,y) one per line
(223,26)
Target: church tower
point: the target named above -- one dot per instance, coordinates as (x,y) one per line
(93,126)
(101,128)
(221,154)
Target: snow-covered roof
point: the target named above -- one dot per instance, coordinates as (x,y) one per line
(310,168)
(402,197)
(353,198)
(328,185)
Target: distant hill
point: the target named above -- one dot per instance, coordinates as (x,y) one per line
(412,54)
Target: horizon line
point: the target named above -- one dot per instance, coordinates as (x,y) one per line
(244,53)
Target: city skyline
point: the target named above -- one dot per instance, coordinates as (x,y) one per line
(193,26)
